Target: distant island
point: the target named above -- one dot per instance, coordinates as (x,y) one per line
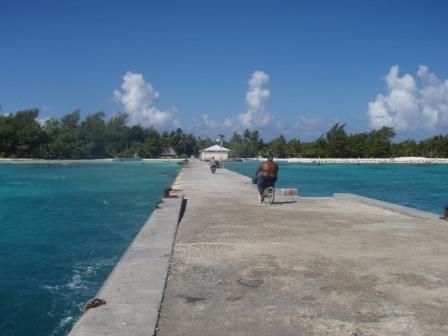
(22,135)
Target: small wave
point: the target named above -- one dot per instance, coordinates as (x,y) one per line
(83,274)
(62,324)
(76,282)
(51,288)
(90,270)
(64,321)
(94,266)
(106,202)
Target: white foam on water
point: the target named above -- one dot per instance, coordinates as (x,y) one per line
(76,282)
(82,274)
(51,288)
(62,324)
(64,321)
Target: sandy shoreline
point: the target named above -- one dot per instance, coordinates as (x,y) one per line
(398,160)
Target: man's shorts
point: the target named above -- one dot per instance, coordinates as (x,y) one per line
(264,182)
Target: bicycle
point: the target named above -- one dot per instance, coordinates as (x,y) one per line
(269,195)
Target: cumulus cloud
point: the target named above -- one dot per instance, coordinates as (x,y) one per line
(209,123)
(257,98)
(310,127)
(138,98)
(411,103)
(42,121)
(434,99)
(256,115)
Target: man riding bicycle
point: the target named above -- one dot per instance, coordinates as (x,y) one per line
(213,164)
(267,176)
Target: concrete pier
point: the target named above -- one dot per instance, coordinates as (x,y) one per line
(304,266)
(339,266)
(133,291)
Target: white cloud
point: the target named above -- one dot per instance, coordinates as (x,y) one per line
(257,98)
(256,115)
(411,104)
(138,98)
(212,124)
(434,98)
(229,123)
(310,127)
(209,123)
(42,121)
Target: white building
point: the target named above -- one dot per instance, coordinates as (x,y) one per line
(220,153)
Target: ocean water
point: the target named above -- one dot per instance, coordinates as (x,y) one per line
(63,228)
(423,187)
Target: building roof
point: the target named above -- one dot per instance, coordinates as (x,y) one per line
(215,148)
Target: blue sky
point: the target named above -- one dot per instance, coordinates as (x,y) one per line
(189,63)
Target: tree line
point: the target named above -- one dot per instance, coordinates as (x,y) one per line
(22,135)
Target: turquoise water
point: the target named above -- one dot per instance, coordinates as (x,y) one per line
(63,228)
(422,187)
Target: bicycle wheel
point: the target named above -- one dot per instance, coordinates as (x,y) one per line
(270,194)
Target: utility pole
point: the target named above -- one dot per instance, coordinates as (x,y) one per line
(221,138)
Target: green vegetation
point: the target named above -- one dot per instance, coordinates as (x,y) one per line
(22,136)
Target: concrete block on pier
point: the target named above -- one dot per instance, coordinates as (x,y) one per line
(287,192)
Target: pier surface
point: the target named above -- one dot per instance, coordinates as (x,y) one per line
(303,266)
(339,266)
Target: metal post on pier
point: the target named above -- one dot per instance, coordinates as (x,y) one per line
(221,138)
